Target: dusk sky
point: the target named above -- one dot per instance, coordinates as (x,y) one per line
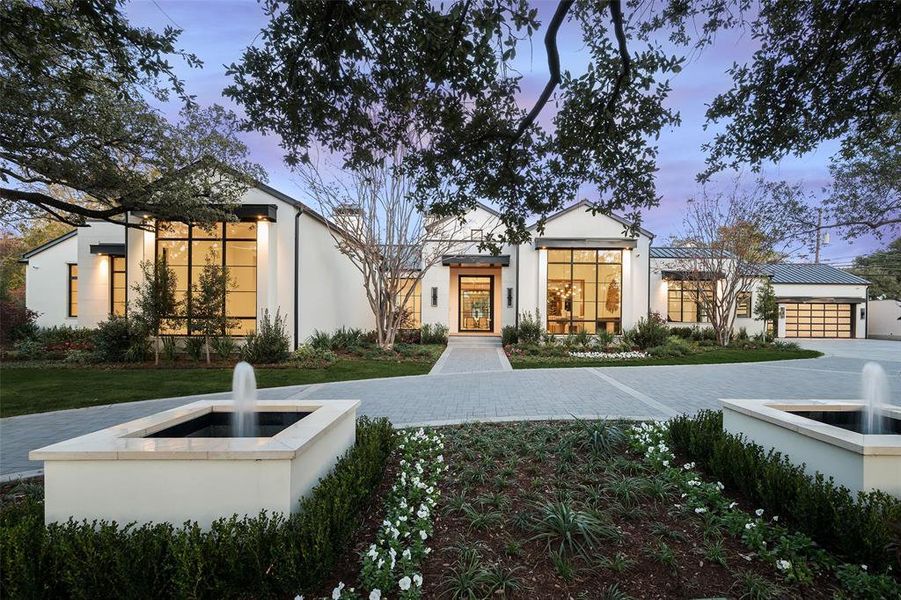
(218,31)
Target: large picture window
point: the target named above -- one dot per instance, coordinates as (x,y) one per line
(187,248)
(412,318)
(584,291)
(682,301)
(72,301)
(743,311)
(117,286)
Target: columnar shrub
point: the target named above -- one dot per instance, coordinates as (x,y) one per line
(270,342)
(264,556)
(531,329)
(121,340)
(649,332)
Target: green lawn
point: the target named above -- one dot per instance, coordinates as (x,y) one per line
(713,356)
(25,390)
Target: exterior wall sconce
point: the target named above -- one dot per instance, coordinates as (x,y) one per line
(509,297)
(434,296)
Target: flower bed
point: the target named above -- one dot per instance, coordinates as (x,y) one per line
(630,355)
(390,566)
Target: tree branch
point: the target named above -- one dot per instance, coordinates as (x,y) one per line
(616,14)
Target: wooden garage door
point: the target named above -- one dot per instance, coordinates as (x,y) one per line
(818,320)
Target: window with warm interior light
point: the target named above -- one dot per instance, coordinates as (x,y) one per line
(584,291)
(683,304)
(412,308)
(187,247)
(73,290)
(117,285)
(744,305)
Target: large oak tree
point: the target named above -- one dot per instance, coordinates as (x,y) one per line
(354,77)
(75,84)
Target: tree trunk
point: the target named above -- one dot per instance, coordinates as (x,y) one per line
(206,343)
(156,349)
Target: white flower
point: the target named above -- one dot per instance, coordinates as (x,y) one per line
(783,565)
(776,518)
(700,511)
(440,458)
(375,594)
(404,583)
(864,567)
(749,525)
(417,579)
(298,597)
(733,505)
(666,463)
(406,554)
(759,512)
(336,593)
(423,535)
(720,486)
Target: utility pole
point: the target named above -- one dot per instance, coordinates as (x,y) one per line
(816,258)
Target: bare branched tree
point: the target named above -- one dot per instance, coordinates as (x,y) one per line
(379,222)
(730,234)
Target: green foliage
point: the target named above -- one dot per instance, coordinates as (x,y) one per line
(649,332)
(78,357)
(509,335)
(309,357)
(88,74)
(170,347)
(207,309)
(674,346)
(858,582)
(883,270)
(859,528)
(601,438)
(156,305)
(194,347)
(30,349)
(270,343)
(264,556)
(433,334)
(18,322)
(766,308)
(119,340)
(344,339)
(531,329)
(571,530)
(224,346)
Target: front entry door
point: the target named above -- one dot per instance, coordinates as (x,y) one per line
(476,303)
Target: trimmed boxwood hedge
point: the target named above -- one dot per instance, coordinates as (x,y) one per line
(862,529)
(267,556)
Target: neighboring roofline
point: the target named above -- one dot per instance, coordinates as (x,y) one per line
(293,202)
(48,245)
(864,282)
(584,203)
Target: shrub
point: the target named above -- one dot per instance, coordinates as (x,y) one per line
(674,346)
(783,345)
(706,334)
(63,337)
(742,334)
(347,338)
(194,346)
(649,332)
(509,335)
(531,330)
(408,336)
(270,343)
(30,349)
(264,556)
(682,332)
(16,322)
(309,357)
(120,340)
(604,338)
(320,339)
(170,347)
(859,529)
(224,346)
(78,357)
(433,334)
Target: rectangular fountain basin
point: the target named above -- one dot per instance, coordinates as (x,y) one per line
(183,465)
(824,436)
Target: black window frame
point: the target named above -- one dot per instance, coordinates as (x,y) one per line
(69,280)
(740,298)
(112,283)
(700,314)
(598,321)
(224,240)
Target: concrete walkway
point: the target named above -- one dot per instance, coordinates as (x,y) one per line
(472,355)
(448,397)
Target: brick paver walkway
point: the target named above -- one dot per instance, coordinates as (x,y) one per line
(636,392)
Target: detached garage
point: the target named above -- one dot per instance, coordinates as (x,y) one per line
(819,301)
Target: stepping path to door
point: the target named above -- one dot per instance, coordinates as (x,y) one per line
(472,354)
(498,395)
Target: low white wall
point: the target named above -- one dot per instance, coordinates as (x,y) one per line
(885,319)
(857,472)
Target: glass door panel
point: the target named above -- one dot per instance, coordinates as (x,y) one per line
(476,306)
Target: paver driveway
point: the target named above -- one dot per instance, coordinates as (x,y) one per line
(636,392)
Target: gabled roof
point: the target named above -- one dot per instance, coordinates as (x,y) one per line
(680,252)
(48,245)
(811,273)
(585,203)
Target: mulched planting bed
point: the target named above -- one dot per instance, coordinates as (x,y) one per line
(500,476)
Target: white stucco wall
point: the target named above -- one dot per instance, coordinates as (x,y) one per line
(331,288)
(47,283)
(94,271)
(885,318)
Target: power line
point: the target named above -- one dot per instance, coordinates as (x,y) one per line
(165,14)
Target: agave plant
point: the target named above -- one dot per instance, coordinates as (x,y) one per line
(570,529)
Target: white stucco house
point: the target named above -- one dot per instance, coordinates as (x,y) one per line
(580,272)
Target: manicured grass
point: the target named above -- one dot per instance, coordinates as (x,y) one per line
(713,356)
(41,389)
